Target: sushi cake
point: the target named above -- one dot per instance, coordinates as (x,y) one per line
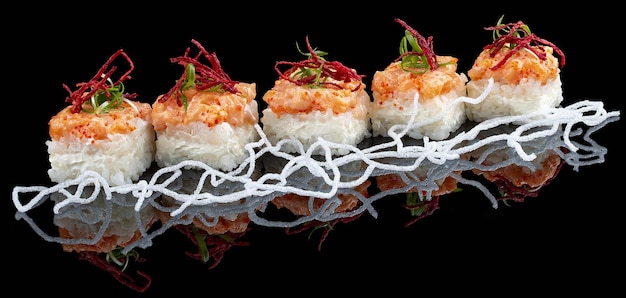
(315,98)
(206,116)
(524,70)
(104,130)
(418,77)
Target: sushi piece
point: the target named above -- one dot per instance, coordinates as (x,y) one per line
(316,98)
(524,70)
(418,77)
(206,116)
(104,130)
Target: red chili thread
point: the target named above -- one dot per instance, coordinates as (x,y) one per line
(99,82)
(529,41)
(207,76)
(327,69)
(425,44)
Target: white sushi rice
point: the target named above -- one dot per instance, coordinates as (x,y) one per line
(512,100)
(120,160)
(435,118)
(221,147)
(307,128)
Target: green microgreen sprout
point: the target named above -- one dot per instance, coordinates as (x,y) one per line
(521,32)
(189,81)
(416,53)
(315,71)
(416,203)
(312,70)
(103,101)
(203,77)
(100,94)
(120,259)
(202,247)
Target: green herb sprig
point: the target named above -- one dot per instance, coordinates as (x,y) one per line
(416,53)
(315,71)
(120,259)
(520,32)
(103,101)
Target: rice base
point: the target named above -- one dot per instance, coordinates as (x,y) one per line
(120,159)
(307,128)
(512,100)
(221,146)
(435,118)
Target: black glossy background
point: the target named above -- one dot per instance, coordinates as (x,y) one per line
(568,240)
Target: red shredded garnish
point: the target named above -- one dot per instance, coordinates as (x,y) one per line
(315,70)
(325,226)
(206,77)
(99,82)
(124,278)
(516,42)
(425,44)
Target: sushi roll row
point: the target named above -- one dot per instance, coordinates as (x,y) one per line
(420,94)
(209,117)
(518,74)
(205,116)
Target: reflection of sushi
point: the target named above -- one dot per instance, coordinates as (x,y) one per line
(214,228)
(423,192)
(418,72)
(105,233)
(206,116)
(515,181)
(103,130)
(525,72)
(517,178)
(316,98)
(299,205)
(345,198)
(117,220)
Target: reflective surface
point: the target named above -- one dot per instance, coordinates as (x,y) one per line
(567,226)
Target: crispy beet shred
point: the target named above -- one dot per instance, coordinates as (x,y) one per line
(326,227)
(207,77)
(118,273)
(315,71)
(426,45)
(101,81)
(518,37)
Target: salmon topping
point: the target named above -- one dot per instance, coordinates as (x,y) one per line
(518,66)
(288,98)
(88,126)
(211,108)
(430,84)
